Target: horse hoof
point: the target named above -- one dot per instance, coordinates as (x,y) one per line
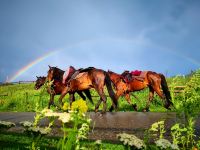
(167,106)
(96,110)
(135,107)
(112,108)
(145,110)
(103,112)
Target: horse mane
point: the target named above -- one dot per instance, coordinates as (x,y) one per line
(57,73)
(41,77)
(86,69)
(109,71)
(125,73)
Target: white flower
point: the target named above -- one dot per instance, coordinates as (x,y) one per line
(64,117)
(163,143)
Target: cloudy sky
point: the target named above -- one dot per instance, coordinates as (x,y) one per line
(162,36)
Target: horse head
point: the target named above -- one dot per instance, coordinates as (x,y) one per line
(54,73)
(39,82)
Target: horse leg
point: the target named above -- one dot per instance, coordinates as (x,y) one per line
(102,98)
(81,95)
(128,99)
(151,95)
(98,104)
(51,101)
(118,94)
(161,95)
(64,92)
(72,98)
(87,93)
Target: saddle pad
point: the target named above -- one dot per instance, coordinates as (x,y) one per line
(136,72)
(67,74)
(80,75)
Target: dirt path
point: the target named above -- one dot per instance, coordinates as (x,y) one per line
(106,126)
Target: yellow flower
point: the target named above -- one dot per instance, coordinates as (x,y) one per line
(80,106)
(65,106)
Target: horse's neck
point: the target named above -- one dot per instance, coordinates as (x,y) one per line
(116,77)
(59,75)
(43,80)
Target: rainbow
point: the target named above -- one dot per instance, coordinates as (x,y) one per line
(41,58)
(31,64)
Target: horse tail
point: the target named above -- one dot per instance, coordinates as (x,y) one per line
(165,89)
(110,90)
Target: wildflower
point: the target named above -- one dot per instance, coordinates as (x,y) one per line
(80,106)
(98,142)
(83,131)
(65,106)
(47,112)
(131,140)
(26,124)
(64,117)
(163,143)
(39,130)
(175,147)
(6,124)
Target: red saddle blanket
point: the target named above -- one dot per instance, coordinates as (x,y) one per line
(68,73)
(136,72)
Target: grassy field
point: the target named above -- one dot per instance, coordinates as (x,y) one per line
(23,97)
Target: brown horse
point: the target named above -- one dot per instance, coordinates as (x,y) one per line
(86,79)
(57,88)
(152,80)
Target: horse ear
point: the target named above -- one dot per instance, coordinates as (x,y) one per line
(37,77)
(49,67)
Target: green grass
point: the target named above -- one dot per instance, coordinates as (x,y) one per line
(21,141)
(23,98)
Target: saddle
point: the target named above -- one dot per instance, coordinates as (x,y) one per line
(80,72)
(133,75)
(67,74)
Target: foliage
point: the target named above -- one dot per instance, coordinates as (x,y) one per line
(80,106)
(34,130)
(158,127)
(131,140)
(165,144)
(192,95)
(184,134)
(23,97)
(6,124)
(73,135)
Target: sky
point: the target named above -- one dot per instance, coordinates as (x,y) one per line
(156,35)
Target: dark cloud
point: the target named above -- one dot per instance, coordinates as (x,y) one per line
(111,34)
